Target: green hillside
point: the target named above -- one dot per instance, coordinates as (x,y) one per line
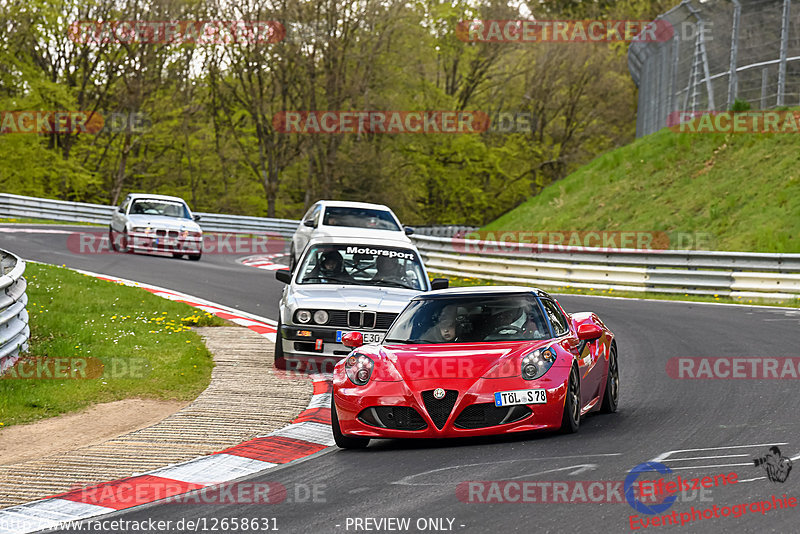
(742,191)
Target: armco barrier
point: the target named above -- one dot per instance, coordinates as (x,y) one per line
(14,329)
(699,272)
(59,210)
(732,274)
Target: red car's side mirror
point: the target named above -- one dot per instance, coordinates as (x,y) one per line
(589,332)
(353,340)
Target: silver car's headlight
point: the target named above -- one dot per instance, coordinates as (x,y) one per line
(320,317)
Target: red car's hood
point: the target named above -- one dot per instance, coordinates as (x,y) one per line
(468,361)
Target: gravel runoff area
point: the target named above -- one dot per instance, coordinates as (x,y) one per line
(246,398)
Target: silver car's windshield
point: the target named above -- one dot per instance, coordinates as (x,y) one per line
(166,208)
(359,218)
(363,265)
(471,319)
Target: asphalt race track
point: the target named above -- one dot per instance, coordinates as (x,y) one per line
(697,428)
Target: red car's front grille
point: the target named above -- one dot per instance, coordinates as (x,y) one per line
(487,414)
(394,417)
(439,409)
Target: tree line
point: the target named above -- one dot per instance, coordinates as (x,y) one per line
(197,120)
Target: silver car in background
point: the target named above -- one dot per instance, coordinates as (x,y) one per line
(342,286)
(156,223)
(349,220)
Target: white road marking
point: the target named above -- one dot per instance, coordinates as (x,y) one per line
(706,457)
(408,480)
(33,231)
(663,456)
(719,466)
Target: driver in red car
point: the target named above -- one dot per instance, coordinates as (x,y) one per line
(444,331)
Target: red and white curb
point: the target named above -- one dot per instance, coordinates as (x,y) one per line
(309,433)
(264,262)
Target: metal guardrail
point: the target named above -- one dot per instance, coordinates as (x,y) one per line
(731,274)
(444,230)
(14,329)
(59,210)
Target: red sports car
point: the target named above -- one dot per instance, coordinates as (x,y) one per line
(472,362)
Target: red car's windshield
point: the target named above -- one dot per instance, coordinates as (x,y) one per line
(469,320)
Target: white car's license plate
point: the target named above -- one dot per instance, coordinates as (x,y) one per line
(520,396)
(369,337)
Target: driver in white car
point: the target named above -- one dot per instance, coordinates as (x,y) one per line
(331,267)
(389,269)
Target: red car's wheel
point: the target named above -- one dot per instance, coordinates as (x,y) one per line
(342,441)
(611,396)
(571,419)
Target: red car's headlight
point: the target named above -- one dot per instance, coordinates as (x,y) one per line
(358,368)
(535,364)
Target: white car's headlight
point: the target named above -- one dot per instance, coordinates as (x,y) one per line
(140,229)
(302,316)
(320,317)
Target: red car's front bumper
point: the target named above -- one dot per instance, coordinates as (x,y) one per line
(351,402)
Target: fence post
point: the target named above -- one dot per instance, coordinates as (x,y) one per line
(764,88)
(673,94)
(732,75)
(784,45)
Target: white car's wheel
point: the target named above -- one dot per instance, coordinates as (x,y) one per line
(111,244)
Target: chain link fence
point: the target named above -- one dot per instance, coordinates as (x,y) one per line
(720,51)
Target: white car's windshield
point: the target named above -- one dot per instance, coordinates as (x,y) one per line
(469,320)
(362,265)
(166,208)
(373,219)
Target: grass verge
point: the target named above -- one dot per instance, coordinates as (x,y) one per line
(740,192)
(94,341)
